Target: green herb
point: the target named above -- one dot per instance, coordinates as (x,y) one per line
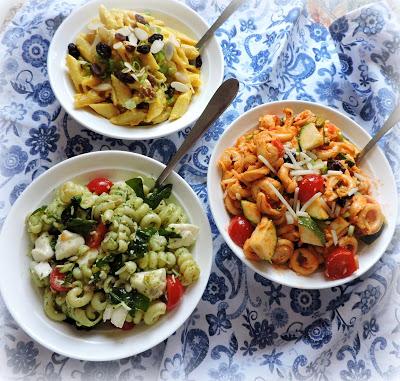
(117,263)
(158,194)
(169,233)
(170,101)
(160,57)
(324,170)
(320,121)
(133,299)
(138,247)
(71,210)
(137,185)
(39,210)
(80,226)
(101,262)
(86,69)
(69,278)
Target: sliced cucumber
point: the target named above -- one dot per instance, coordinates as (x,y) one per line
(317,211)
(310,137)
(263,239)
(251,212)
(368,239)
(310,232)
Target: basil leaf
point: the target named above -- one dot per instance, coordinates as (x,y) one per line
(38,210)
(169,233)
(80,226)
(71,210)
(133,299)
(116,264)
(138,247)
(137,185)
(158,194)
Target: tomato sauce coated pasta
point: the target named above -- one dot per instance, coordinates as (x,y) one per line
(295,179)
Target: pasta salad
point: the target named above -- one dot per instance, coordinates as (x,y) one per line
(297,197)
(133,69)
(118,252)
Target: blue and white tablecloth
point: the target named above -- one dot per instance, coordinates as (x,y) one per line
(245,327)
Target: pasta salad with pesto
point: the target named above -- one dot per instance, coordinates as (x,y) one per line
(118,252)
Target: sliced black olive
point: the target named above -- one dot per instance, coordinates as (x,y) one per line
(129,48)
(199,61)
(170,92)
(142,106)
(124,77)
(140,18)
(335,165)
(341,201)
(103,50)
(120,37)
(154,37)
(144,49)
(73,50)
(97,70)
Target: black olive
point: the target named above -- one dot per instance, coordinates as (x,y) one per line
(286,159)
(170,92)
(335,165)
(120,37)
(199,61)
(103,50)
(129,48)
(140,18)
(97,70)
(73,50)
(341,201)
(144,49)
(124,77)
(142,106)
(154,37)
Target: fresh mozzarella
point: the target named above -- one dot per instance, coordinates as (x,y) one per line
(150,283)
(68,244)
(42,269)
(118,316)
(188,233)
(87,258)
(43,250)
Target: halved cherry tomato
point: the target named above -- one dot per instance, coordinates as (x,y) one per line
(278,144)
(240,230)
(309,185)
(175,291)
(100,185)
(127,326)
(96,236)
(340,263)
(57,280)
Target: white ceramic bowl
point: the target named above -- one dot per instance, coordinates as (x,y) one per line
(175,14)
(24,300)
(375,164)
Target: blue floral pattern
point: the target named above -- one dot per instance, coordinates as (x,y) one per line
(245,327)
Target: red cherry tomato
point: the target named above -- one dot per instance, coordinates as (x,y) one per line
(127,326)
(240,230)
(340,263)
(57,280)
(100,185)
(309,185)
(175,291)
(96,236)
(278,144)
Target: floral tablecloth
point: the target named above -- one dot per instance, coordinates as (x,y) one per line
(245,327)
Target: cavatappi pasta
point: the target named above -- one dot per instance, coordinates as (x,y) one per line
(295,179)
(111,252)
(133,69)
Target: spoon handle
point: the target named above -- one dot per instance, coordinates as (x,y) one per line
(390,123)
(232,6)
(222,98)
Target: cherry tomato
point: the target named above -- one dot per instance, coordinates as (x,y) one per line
(127,326)
(57,280)
(96,236)
(309,185)
(340,263)
(278,144)
(100,185)
(175,291)
(240,230)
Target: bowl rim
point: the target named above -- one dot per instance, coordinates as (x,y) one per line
(218,65)
(164,333)
(222,228)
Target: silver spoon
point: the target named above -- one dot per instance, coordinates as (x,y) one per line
(222,98)
(390,123)
(232,6)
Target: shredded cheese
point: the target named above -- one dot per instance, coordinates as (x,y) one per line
(337,211)
(303,214)
(352,191)
(302,172)
(305,157)
(360,177)
(334,237)
(310,201)
(289,153)
(312,155)
(350,232)
(333,173)
(325,205)
(289,218)
(292,166)
(267,163)
(284,202)
(296,196)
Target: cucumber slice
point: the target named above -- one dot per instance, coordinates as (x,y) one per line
(310,137)
(317,211)
(368,239)
(310,232)
(251,212)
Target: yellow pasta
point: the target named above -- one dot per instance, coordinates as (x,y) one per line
(132,69)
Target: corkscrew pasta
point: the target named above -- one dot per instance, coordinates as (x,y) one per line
(297,197)
(133,69)
(111,252)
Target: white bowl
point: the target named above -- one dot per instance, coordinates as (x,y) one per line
(175,14)
(375,164)
(23,299)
